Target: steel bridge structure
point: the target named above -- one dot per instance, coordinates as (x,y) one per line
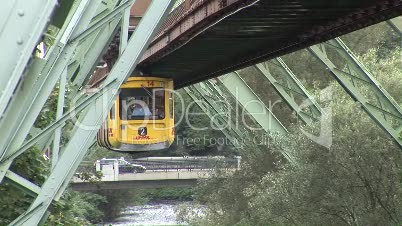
(201,44)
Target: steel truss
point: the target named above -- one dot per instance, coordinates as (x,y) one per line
(25,21)
(87,29)
(215,105)
(250,101)
(362,86)
(291,90)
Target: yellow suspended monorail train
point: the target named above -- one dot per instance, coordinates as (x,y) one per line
(142,117)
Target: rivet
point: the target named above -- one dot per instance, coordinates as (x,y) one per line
(21,13)
(19,41)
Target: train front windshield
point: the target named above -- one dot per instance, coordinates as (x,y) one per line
(142,103)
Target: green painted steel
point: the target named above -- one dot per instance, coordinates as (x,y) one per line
(96,113)
(22,23)
(91,54)
(213,114)
(42,143)
(59,114)
(43,76)
(220,106)
(291,90)
(57,124)
(252,103)
(93,42)
(207,96)
(25,108)
(23,183)
(396,24)
(100,22)
(363,87)
(125,22)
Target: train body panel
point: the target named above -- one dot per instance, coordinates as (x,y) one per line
(142,117)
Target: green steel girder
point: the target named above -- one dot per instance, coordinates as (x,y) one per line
(59,114)
(396,24)
(252,103)
(258,111)
(25,108)
(22,23)
(98,30)
(115,13)
(91,51)
(125,23)
(291,90)
(22,183)
(90,122)
(91,54)
(57,124)
(57,65)
(44,142)
(355,79)
(212,85)
(223,115)
(201,102)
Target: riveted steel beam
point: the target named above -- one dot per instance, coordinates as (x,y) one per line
(57,124)
(26,107)
(220,107)
(59,114)
(216,118)
(362,87)
(217,108)
(252,103)
(396,24)
(23,183)
(91,52)
(94,26)
(36,87)
(90,121)
(22,23)
(125,22)
(291,90)
(92,47)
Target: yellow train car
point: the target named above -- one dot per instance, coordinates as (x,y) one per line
(142,117)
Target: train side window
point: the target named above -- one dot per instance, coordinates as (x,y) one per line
(171,104)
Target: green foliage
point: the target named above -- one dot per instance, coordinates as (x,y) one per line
(13,204)
(179,194)
(48,113)
(117,200)
(33,167)
(76,208)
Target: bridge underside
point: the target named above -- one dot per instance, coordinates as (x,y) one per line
(260,31)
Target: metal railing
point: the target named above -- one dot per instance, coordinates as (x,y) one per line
(178,165)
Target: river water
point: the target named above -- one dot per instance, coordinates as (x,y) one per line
(152,214)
